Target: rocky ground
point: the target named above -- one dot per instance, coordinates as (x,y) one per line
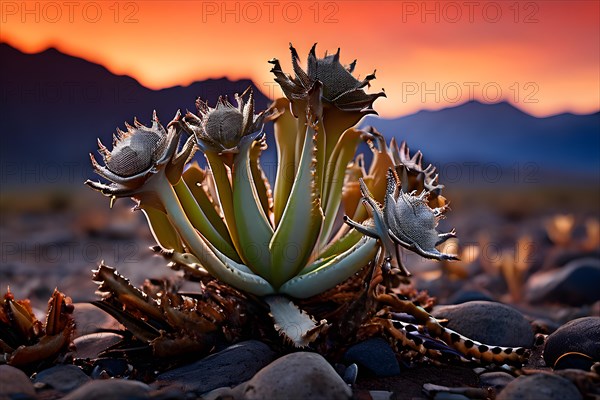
(523,273)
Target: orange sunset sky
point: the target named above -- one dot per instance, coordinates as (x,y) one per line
(543,56)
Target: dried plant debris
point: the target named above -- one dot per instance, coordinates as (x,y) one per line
(25,341)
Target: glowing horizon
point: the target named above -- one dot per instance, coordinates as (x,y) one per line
(542,57)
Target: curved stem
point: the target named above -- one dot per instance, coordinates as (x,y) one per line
(340,157)
(226,272)
(254,232)
(194,177)
(201,222)
(285,138)
(300,224)
(162,230)
(224,195)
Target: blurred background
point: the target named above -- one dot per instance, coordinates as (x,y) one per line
(502,97)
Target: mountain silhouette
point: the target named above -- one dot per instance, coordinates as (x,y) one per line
(484,139)
(54,106)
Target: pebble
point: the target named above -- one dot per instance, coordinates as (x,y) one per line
(449,396)
(112,367)
(14,383)
(580,335)
(488,322)
(89,319)
(350,374)
(497,380)
(63,378)
(375,356)
(89,346)
(110,389)
(229,367)
(381,395)
(575,284)
(540,386)
(299,375)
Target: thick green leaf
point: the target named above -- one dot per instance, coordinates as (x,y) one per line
(195,177)
(261,183)
(332,273)
(201,222)
(220,173)
(342,154)
(285,138)
(339,246)
(300,224)
(253,228)
(162,230)
(206,256)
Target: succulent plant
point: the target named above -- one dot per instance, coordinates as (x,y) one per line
(282,246)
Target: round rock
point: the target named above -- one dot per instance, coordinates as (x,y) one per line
(63,378)
(488,322)
(574,284)
(497,380)
(89,319)
(540,386)
(374,355)
(229,367)
(299,375)
(14,383)
(89,346)
(580,335)
(110,389)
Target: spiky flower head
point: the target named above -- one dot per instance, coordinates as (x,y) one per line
(137,149)
(138,154)
(340,87)
(405,220)
(410,219)
(221,129)
(416,176)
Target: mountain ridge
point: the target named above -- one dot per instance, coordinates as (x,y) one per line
(54,106)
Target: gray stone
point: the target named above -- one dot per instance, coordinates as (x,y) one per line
(63,378)
(374,355)
(488,322)
(497,380)
(350,374)
(225,393)
(14,382)
(89,319)
(297,376)
(540,387)
(574,284)
(229,367)
(89,346)
(449,396)
(110,389)
(580,335)
(381,395)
